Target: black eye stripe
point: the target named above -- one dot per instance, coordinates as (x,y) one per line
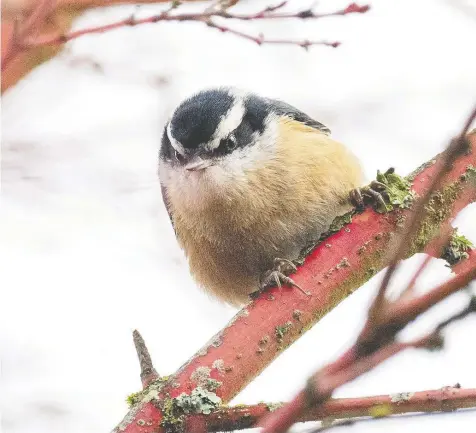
(178,156)
(241,137)
(229,142)
(227,145)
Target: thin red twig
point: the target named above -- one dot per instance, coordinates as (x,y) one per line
(240,417)
(408,310)
(260,39)
(417,275)
(206,16)
(32,34)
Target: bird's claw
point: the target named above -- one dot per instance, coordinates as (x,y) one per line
(284,265)
(374,194)
(277,277)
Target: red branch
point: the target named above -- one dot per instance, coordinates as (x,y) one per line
(338,266)
(445,399)
(206,17)
(377,341)
(18,44)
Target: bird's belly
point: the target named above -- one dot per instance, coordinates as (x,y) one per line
(229,264)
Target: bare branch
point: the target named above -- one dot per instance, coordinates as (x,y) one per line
(205,17)
(242,417)
(34,33)
(260,39)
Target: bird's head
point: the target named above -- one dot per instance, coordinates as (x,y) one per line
(218,134)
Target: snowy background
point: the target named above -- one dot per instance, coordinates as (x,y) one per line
(87,250)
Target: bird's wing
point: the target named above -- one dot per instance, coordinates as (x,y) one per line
(163,190)
(286,109)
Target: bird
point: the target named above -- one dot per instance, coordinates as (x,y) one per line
(248,181)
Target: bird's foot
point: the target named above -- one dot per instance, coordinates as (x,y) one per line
(278,276)
(374,194)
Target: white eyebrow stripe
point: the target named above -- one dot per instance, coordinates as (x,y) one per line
(229,123)
(238,93)
(175,144)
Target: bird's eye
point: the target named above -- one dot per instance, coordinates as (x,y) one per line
(228,144)
(178,156)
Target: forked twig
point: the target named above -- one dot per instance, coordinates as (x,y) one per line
(27,39)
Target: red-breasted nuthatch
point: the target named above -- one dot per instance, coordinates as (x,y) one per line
(249,181)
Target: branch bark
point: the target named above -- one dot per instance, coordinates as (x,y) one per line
(446,399)
(148,373)
(337,267)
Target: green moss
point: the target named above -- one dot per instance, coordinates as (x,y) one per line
(172,418)
(133,398)
(398,189)
(273,406)
(282,330)
(380,410)
(457,249)
(148,394)
(340,222)
(470,174)
(437,211)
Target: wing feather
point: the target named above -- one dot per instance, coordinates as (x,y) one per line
(286,109)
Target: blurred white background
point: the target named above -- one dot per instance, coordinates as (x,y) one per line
(87,250)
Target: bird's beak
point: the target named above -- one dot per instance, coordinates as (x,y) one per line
(198,164)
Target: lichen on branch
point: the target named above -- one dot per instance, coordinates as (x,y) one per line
(457,249)
(399,190)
